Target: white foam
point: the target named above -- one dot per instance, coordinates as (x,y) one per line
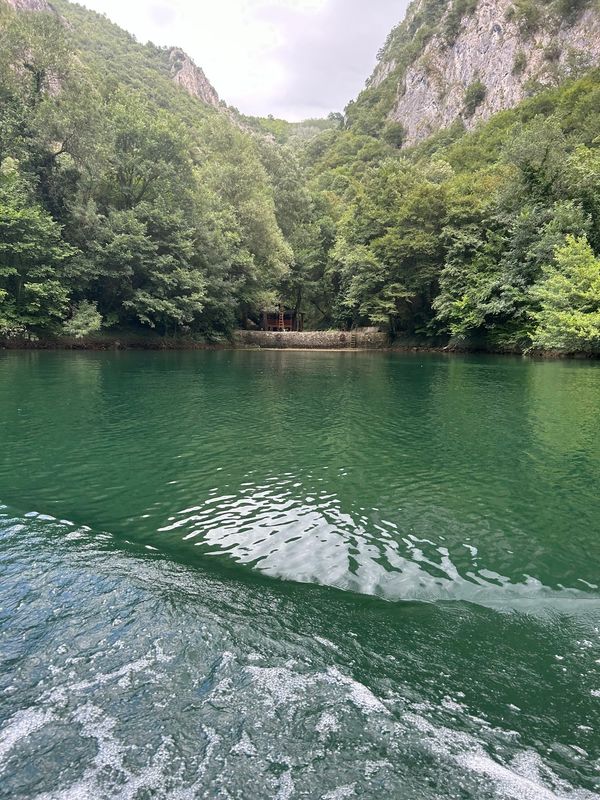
(452,705)
(19,727)
(521,780)
(285,686)
(213,740)
(94,725)
(373,767)
(160,776)
(74,536)
(341,793)
(327,724)
(359,694)
(121,676)
(327,643)
(281,683)
(286,787)
(244,747)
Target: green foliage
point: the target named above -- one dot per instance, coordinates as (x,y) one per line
(293,133)
(389,245)
(124,199)
(126,202)
(454,235)
(394,134)
(520,62)
(34,259)
(84,320)
(569,298)
(474,97)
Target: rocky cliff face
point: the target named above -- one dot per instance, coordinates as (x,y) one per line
(492,62)
(183,70)
(192,78)
(30,5)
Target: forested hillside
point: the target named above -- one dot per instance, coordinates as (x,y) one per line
(470,235)
(124,201)
(128,203)
(487,235)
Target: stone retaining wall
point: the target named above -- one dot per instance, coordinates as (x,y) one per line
(314,340)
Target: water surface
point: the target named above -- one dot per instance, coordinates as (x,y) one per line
(298,575)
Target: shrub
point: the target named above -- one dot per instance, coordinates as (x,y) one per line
(569,297)
(553,53)
(520,63)
(85,320)
(527,14)
(474,97)
(394,134)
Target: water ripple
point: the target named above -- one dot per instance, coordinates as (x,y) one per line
(408,478)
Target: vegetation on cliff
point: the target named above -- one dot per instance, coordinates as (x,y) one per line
(456,236)
(124,201)
(121,193)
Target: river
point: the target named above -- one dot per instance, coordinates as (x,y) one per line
(298,575)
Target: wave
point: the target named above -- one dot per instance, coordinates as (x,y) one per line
(316,543)
(125,674)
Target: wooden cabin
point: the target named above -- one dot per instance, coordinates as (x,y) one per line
(283,320)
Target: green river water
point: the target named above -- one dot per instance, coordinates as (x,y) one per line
(298,575)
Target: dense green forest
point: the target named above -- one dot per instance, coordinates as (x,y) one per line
(470,235)
(127,204)
(123,200)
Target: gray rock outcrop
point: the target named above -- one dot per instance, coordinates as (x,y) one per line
(493,55)
(192,78)
(30,5)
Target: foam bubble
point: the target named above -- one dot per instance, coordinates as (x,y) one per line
(327,724)
(19,727)
(286,787)
(359,694)
(341,793)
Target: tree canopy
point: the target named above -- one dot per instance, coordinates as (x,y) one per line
(126,203)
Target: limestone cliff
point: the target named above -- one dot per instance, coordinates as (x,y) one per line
(470,65)
(180,66)
(191,77)
(30,5)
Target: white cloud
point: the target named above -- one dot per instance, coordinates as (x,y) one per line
(162,15)
(290,58)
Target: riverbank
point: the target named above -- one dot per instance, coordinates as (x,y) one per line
(121,340)
(363,339)
(373,339)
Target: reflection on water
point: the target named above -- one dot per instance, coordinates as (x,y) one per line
(408,478)
(146,651)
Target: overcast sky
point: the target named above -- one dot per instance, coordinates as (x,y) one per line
(291,58)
